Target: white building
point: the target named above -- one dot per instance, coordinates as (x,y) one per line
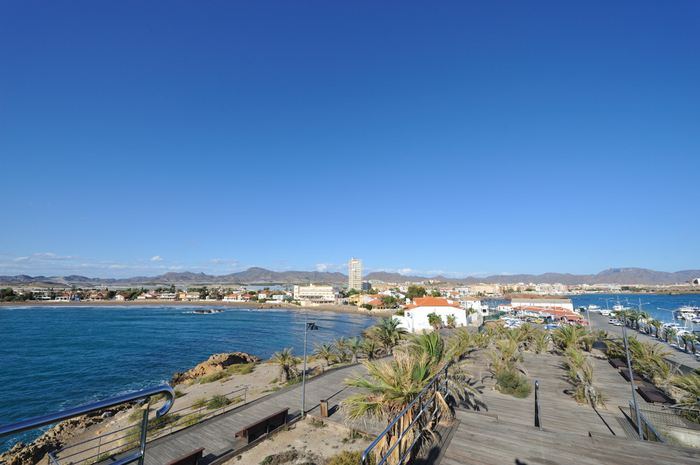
(355,274)
(563,303)
(415,317)
(309,295)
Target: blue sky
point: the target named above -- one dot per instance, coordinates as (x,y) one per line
(464,138)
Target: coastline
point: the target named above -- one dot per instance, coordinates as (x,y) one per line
(202,303)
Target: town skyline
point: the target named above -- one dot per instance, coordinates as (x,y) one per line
(464,139)
(620,276)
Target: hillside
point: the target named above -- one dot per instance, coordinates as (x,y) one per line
(262,276)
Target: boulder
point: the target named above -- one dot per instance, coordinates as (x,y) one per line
(216,363)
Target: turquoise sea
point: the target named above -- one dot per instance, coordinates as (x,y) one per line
(54,358)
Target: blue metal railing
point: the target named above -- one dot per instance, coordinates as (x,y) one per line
(423,409)
(37,422)
(102,445)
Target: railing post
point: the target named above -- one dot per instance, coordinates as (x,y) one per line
(144,429)
(538,423)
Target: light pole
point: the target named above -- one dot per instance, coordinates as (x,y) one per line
(634,394)
(307,327)
(629,368)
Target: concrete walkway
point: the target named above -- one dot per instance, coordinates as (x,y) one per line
(599,321)
(216,435)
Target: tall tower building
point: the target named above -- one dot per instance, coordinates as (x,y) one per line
(355,274)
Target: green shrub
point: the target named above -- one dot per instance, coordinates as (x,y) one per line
(513,383)
(157,424)
(350,458)
(136,415)
(178,394)
(191,420)
(318,423)
(199,403)
(218,402)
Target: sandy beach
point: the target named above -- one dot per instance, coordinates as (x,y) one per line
(201,303)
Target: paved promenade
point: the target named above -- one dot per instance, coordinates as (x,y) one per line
(217,434)
(599,321)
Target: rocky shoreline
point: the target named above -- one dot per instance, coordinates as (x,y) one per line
(65,432)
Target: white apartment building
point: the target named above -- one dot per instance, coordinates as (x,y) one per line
(311,294)
(355,274)
(563,303)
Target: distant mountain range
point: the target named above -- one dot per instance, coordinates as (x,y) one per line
(263,276)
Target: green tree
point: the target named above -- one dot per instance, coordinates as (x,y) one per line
(389,300)
(435,293)
(415,292)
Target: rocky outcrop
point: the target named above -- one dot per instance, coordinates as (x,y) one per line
(216,363)
(53,439)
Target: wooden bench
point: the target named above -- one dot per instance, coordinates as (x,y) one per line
(652,395)
(192,458)
(617,363)
(626,374)
(264,426)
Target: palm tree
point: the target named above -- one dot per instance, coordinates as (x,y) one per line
(341,345)
(644,315)
(387,333)
(392,387)
(370,347)
(541,341)
(354,347)
(656,324)
(451,321)
(672,333)
(434,320)
(574,336)
(326,352)
(581,376)
(690,384)
(687,339)
(463,342)
(287,363)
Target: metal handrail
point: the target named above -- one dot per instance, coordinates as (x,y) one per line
(37,422)
(649,425)
(101,446)
(365,455)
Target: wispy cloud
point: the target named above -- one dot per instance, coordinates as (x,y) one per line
(222,261)
(331,267)
(53,256)
(157,258)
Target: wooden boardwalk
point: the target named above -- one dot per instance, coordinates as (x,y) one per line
(216,435)
(501,429)
(483,440)
(558,408)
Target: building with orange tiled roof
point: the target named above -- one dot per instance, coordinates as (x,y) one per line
(415,317)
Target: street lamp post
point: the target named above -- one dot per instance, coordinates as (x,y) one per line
(634,393)
(307,327)
(629,368)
